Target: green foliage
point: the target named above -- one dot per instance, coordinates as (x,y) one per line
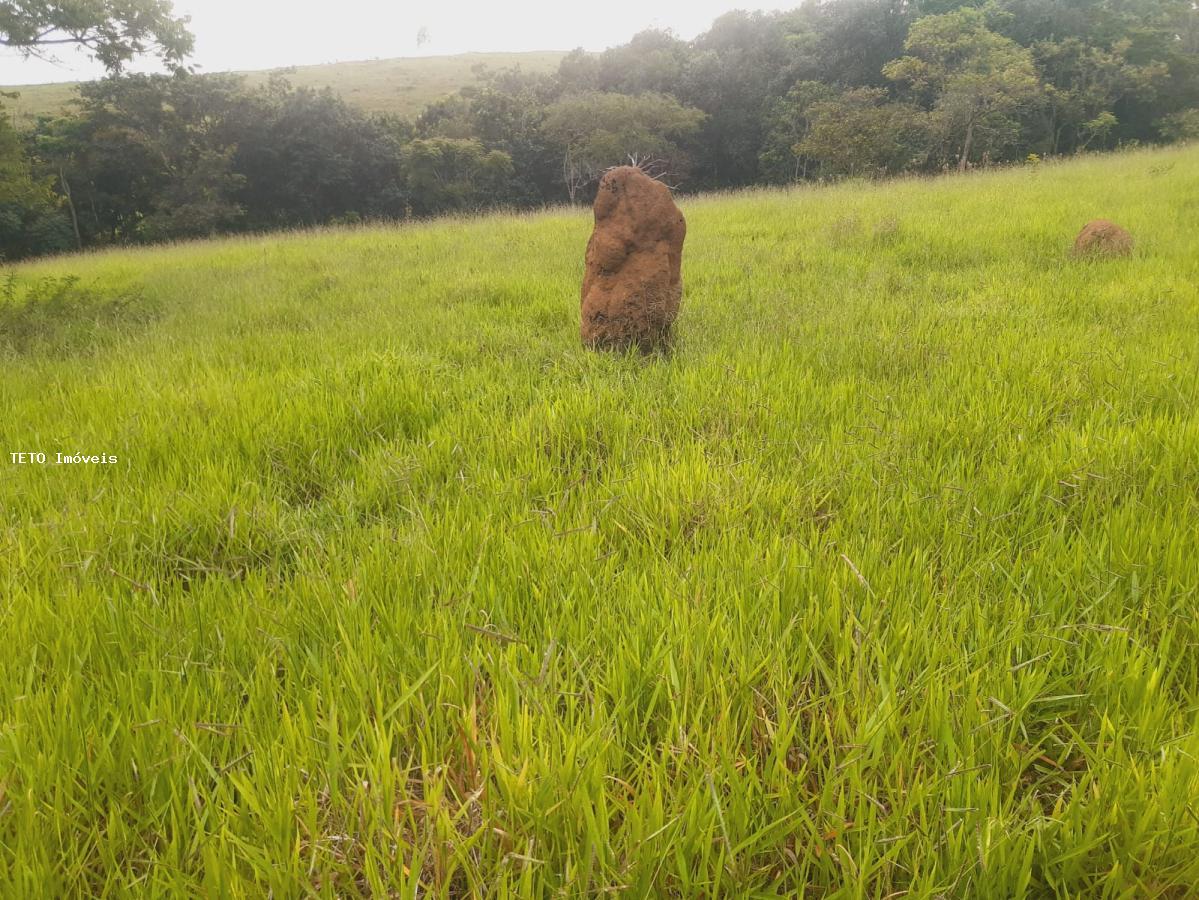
(975,81)
(787,125)
(200,199)
(449,174)
(1181,126)
(847,43)
(148,159)
(1084,84)
(308,157)
(861,133)
(113,31)
(508,115)
(653,61)
(882,584)
(735,72)
(596,130)
(157,157)
(30,221)
(57,315)
(1097,129)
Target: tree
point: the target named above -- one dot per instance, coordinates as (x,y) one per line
(148,158)
(443,174)
(853,39)
(30,220)
(977,80)
(504,112)
(309,158)
(787,124)
(1084,85)
(448,117)
(112,31)
(508,112)
(652,61)
(594,131)
(1181,126)
(862,133)
(737,69)
(199,200)
(155,157)
(1137,59)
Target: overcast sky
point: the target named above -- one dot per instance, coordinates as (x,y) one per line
(266,34)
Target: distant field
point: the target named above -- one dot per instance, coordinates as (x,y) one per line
(882,585)
(401,86)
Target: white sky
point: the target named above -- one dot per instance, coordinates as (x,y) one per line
(266,34)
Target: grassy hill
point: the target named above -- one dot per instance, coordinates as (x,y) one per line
(402,86)
(883,583)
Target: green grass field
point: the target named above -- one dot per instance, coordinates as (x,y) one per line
(882,584)
(402,86)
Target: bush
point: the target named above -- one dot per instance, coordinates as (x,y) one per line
(59,315)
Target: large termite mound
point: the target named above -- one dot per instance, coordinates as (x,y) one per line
(1102,238)
(632,285)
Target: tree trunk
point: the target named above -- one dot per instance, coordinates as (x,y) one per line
(66,191)
(568,177)
(966,147)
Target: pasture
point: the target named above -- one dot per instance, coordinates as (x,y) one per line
(882,584)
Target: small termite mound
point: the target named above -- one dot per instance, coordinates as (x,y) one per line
(1102,238)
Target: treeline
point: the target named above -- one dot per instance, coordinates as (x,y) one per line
(842,88)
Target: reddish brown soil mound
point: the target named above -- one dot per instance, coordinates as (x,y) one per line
(632,285)
(1102,238)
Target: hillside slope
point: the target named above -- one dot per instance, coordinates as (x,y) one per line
(401,86)
(882,583)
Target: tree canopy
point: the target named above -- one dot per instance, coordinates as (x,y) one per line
(596,129)
(112,31)
(974,79)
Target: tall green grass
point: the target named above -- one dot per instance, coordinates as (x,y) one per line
(882,584)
